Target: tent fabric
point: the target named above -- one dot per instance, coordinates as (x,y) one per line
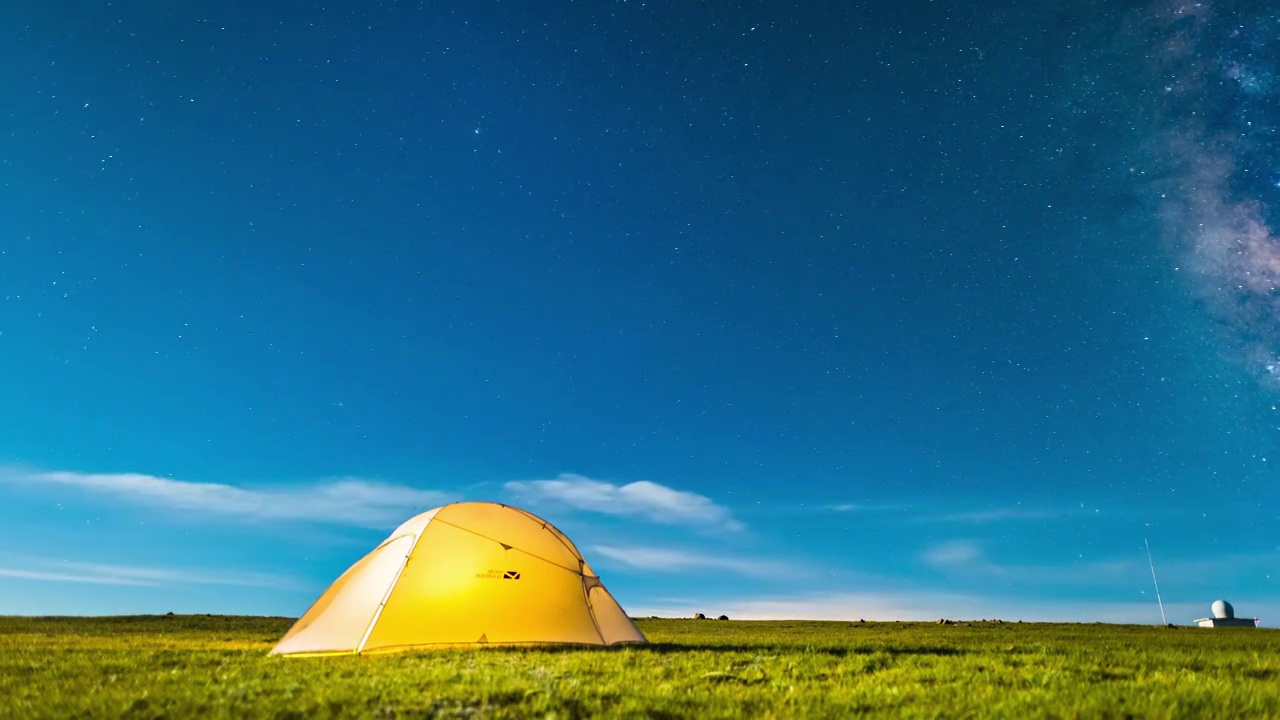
(460,575)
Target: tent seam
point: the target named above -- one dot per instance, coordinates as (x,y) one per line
(514,547)
(556,532)
(591,610)
(387,596)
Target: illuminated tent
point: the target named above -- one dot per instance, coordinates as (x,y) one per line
(463,574)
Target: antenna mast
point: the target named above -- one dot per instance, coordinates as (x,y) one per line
(1163,619)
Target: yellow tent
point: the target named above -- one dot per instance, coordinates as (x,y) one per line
(463,574)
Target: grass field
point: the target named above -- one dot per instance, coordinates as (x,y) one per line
(215,666)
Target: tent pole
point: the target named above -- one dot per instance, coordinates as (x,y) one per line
(387,595)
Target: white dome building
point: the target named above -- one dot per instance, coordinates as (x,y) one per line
(1225,616)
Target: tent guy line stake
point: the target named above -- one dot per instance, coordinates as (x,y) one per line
(1163,619)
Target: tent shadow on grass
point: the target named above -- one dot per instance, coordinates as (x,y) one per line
(757,648)
(831,650)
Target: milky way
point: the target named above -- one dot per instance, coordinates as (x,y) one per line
(1216,106)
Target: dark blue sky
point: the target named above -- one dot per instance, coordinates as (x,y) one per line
(905,301)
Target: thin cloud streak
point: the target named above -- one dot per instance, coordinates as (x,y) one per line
(347,501)
(186,577)
(954,554)
(137,576)
(923,513)
(1189,570)
(927,606)
(69,577)
(677,561)
(643,499)
(968,559)
(999,514)
(862,507)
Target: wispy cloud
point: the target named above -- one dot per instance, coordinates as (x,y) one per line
(924,512)
(347,501)
(1189,570)
(108,574)
(966,558)
(819,509)
(67,577)
(671,560)
(997,515)
(645,499)
(950,555)
(861,507)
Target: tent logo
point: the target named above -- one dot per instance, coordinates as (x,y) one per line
(511,575)
(498,575)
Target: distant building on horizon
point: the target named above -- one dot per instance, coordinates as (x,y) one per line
(1225,616)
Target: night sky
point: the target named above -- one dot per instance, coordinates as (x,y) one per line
(852,310)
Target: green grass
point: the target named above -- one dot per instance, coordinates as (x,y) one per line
(213,666)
